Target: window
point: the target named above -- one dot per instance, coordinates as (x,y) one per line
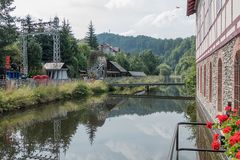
(201,80)
(210,82)
(198,75)
(220,99)
(237,81)
(205,81)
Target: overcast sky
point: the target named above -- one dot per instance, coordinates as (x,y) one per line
(156,18)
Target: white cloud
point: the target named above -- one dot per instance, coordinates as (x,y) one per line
(167,17)
(167,24)
(119,4)
(155,130)
(128,33)
(146,20)
(129,151)
(157,18)
(161,19)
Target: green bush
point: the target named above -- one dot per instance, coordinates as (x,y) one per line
(111,88)
(82,90)
(99,87)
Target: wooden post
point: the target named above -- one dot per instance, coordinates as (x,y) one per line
(147,89)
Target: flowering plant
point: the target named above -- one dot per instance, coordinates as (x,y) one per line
(229,125)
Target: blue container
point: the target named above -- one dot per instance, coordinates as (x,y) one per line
(12,75)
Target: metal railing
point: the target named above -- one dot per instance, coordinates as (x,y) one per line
(175,142)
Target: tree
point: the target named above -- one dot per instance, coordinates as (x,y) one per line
(69,48)
(190,80)
(151,61)
(184,64)
(91,37)
(136,64)
(8,33)
(165,70)
(83,55)
(34,57)
(122,59)
(28,23)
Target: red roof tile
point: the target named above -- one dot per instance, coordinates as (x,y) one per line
(191,7)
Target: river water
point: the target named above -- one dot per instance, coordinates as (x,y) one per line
(98,128)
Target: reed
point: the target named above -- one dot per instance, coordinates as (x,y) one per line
(26,96)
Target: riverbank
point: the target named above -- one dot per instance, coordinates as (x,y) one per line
(25,97)
(47,112)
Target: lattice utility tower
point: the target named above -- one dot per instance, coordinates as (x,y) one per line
(43,28)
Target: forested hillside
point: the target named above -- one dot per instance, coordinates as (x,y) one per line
(170,50)
(155,56)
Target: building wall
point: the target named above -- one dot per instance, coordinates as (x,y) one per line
(227,55)
(217,21)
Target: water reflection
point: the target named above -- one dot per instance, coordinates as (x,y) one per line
(97,128)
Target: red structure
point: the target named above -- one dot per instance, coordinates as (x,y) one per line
(7,65)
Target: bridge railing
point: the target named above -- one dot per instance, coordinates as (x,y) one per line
(175,142)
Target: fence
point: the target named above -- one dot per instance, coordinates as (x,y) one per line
(175,143)
(14,84)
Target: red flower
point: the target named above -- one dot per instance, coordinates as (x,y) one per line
(235,110)
(237,133)
(237,138)
(215,145)
(232,140)
(227,130)
(228,108)
(234,114)
(215,137)
(222,118)
(209,125)
(238,123)
(238,155)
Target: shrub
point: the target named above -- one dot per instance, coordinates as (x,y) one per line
(99,87)
(26,96)
(82,90)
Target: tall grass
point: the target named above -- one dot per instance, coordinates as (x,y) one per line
(26,96)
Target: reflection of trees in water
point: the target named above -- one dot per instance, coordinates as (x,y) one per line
(39,136)
(91,131)
(147,106)
(191,116)
(168,91)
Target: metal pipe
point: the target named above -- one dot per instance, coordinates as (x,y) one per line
(200,150)
(176,140)
(170,155)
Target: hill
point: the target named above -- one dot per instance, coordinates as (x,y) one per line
(170,50)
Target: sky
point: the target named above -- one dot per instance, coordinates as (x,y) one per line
(155,18)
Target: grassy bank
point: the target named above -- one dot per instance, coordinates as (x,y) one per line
(25,97)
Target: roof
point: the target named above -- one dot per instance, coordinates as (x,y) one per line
(54,66)
(137,74)
(191,7)
(118,66)
(109,46)
(113,72)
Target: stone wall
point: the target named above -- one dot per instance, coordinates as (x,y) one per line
(227,55)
